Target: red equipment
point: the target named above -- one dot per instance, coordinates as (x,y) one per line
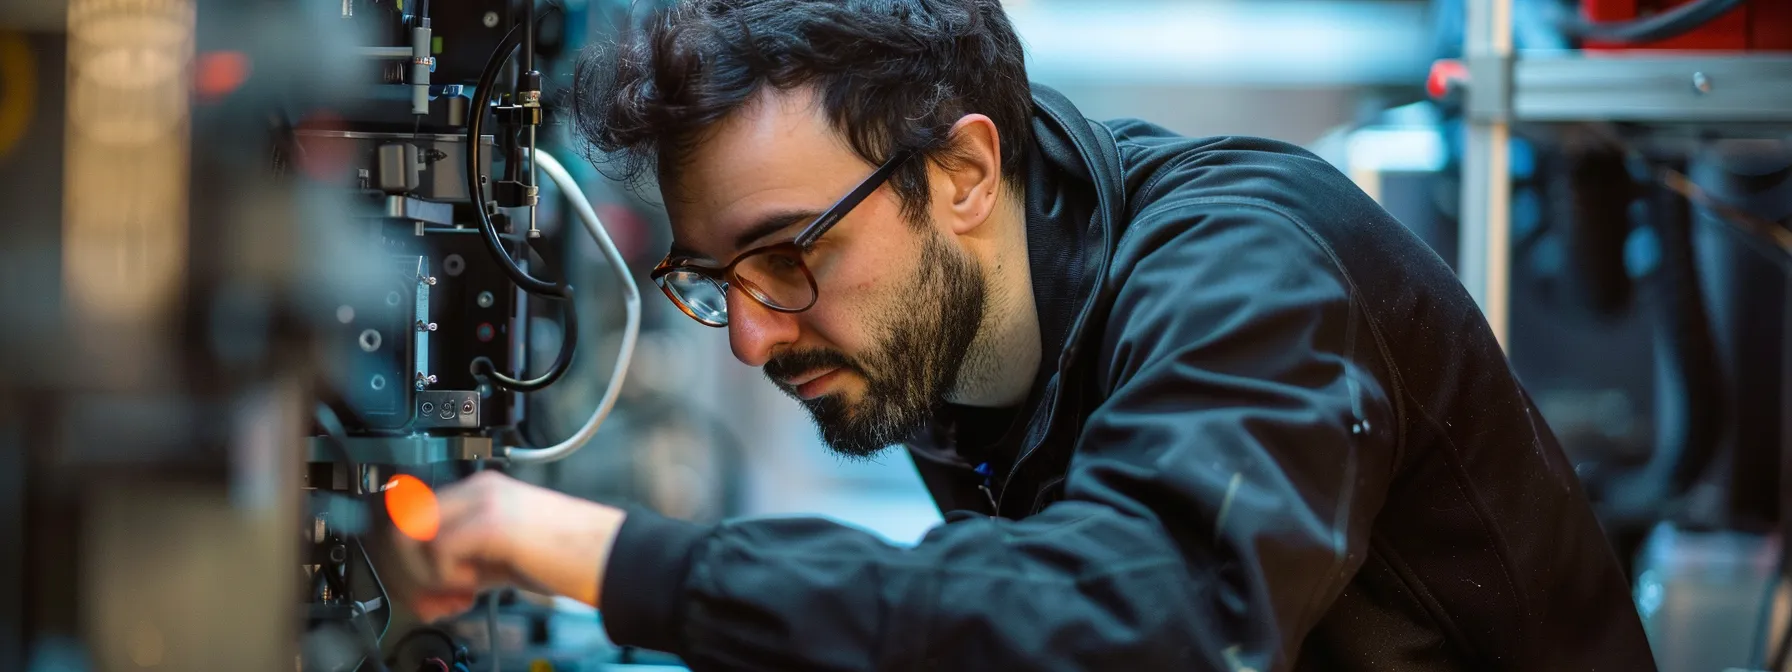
(1757,25)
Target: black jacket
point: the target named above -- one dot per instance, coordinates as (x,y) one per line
(1277,434)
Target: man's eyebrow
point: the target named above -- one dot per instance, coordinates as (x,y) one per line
(765,227)
(770,224)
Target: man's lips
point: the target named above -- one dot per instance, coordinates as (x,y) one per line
(810,384)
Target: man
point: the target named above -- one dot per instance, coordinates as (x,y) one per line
(1187,403)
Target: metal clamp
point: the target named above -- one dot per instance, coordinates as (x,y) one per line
(1489,97)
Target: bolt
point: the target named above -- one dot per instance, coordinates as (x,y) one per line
(432,326)
(431,281)
(338,554)
(491,19)
(1701,83)
(431,379)
(466,408)
(486,299)
(429,407)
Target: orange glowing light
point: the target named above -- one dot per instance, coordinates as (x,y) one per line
(220,72)
(412,506)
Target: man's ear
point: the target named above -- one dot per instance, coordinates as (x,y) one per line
(972,172)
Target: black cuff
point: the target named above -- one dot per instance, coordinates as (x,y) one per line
(643,587)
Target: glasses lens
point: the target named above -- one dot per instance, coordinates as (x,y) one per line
(700,295)
(777,278)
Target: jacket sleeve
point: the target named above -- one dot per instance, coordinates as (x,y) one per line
(1218,500)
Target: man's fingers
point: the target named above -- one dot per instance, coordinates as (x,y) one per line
(467,498)
(467,555)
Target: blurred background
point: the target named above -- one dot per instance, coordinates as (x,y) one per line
(1612,178)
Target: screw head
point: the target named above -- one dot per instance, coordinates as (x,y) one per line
(491,19)
(1701,83)
(431,281)
(486,299)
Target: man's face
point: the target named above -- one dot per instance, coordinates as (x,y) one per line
(898,302)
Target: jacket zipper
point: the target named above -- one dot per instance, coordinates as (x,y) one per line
(995,511)
(1103,199)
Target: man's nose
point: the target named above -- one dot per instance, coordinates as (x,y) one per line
(754,330)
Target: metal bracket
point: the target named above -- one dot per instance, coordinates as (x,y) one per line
(1489,97)
(424,281)
(403,450)
(416,209)
(1702,89)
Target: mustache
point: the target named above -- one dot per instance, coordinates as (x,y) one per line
(793,364)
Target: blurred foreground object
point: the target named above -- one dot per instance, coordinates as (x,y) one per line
(156,353)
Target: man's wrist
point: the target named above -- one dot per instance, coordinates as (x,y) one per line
(642,588)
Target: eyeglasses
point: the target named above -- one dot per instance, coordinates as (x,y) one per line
(773,275)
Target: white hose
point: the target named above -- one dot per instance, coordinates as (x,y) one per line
(631,297)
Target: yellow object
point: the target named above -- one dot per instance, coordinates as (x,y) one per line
(541,666)
(18,89)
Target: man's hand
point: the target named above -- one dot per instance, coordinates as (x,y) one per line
(498,531)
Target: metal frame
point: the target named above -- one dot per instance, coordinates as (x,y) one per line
(1682,89)
(1653,89)
(403,450)
(1484,255)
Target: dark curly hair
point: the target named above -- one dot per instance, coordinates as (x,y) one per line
(891,74)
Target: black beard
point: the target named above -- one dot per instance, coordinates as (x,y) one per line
(909,374)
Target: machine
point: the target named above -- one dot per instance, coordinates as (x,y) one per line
(279,258)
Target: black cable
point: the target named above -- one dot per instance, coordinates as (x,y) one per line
(1674,22)
(528,35)
(482,96)
(385,597)
(1684,326)
(569,338)
(483,366)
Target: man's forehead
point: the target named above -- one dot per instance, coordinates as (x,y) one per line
(775,155)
